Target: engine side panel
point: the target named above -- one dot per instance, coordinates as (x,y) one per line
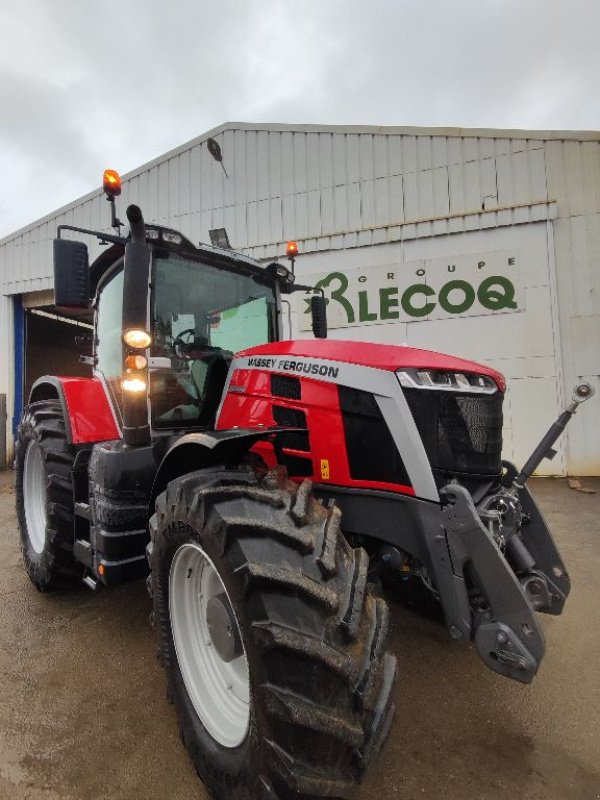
(321,454)
(310,399)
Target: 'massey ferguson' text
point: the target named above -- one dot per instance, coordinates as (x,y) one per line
(305,367)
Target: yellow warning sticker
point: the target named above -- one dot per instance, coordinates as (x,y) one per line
(324,469)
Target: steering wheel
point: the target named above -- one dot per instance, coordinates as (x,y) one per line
(179,345)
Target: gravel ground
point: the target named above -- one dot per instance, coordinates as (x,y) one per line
(83,714)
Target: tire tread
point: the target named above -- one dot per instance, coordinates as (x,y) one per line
(290,554)
(55,567)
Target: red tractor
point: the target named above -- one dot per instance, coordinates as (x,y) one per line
(265,487)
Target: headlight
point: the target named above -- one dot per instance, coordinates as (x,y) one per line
(133,385)
(137,339)
(443,380)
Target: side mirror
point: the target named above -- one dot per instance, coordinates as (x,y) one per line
(318,310)
(71,275)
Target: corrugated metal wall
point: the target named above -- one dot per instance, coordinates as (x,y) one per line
(320,187)
(338,188)
(573,170)
(328,188)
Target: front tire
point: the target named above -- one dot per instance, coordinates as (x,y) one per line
(45,505)
(301,699)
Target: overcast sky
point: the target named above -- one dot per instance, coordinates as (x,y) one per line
(85,85)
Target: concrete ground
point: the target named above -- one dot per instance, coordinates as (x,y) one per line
(83,714)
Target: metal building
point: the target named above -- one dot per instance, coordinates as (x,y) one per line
(481,243)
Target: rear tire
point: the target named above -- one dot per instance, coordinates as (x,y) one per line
(319,684)
(45,505)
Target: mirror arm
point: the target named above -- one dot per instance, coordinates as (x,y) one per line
(103,237)
(297,287)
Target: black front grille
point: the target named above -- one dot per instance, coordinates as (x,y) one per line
(372,452)
(462,433)
(291,418)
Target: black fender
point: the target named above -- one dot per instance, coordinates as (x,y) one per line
(201,450)
(48,387)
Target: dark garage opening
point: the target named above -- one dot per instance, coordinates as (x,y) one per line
(50,346)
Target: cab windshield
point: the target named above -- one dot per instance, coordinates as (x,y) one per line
(201,316)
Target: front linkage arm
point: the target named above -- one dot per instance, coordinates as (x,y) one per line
(581,393)
(505,564)
(507,635)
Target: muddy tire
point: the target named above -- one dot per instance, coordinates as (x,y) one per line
(309,681)
(45,506)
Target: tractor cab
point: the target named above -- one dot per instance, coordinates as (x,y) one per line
(201,310)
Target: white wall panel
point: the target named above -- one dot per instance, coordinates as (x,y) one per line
(529,409)
(396,207)
(394,148)
(264,222)
(410,185)
(299,225)
(381,166)
(491,338)
(583,434)
(235,226)
(366,158)
(325,147)
(314,212)
(578,289)
(368,216)
(352,173)
(195,182)
(573,169)
(276,221)
(585,333)
(410,162)
(585,265)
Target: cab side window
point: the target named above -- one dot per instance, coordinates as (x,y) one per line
(109,343)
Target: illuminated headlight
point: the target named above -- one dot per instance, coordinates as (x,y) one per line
(133,385)
(443,380)
(137,338)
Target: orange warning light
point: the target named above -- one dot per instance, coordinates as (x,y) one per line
(111,182)
(101,569)
(136,362)
(292,249)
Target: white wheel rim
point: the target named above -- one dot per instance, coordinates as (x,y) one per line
(34,497)
(219,690)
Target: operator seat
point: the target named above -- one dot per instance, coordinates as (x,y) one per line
(209,375)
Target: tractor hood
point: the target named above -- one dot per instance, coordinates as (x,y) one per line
(389,357)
